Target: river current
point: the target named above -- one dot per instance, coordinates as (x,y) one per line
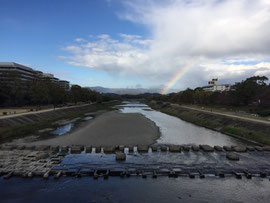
(176,131)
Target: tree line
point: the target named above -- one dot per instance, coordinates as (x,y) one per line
(44,92)
(253,92)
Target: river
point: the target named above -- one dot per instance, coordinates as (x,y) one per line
(137,189)
(176,131)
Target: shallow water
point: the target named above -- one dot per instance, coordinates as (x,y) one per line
(176,131)
(87,118)
(134,189)
(63,129)
(68,127)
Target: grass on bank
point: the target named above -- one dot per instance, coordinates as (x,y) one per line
(31,128)
(247,134)
(193,117)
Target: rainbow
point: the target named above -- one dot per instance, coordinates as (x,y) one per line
(172,82)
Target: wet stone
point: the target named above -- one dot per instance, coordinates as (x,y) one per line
(76,149)
(218,148)
(240,149)
(120,156)
(88,149)
(258,148)
(142,148)
(30,147)
(195,148)
(109,150)
(163,148)
(64,149)
(207,148)
(154,148)
(42,155)
(227,148)
(121,148)
(98,149)
(266,148)
(54,149)
(130,149)
(186,148)
(7,147)
(175,148)
(249,148)
(42,148)
(20,147)
(232,156)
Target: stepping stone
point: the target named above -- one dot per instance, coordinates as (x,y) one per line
(30,147)
(142,148)
(207,148)
(218,148)
(120,156)
(154,148)
(108,150)
(163,148)
(54,149)
(175,148)
(250,148)
(258,148)
(227,148)
(266,148)
(64,149)
(121,148)
(240,149)
(232,156)
(195,148)
(20,147)
(42,155)
(98,149)
(130,149)
(88,149)
(186,148)
(76,149)
(42,148)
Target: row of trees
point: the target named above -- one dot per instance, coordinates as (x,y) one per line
(44,92)
(252,91)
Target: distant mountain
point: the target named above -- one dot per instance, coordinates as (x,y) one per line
(121,91)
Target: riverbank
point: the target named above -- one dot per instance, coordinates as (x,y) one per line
(109,129)
(245,130)
(25,125)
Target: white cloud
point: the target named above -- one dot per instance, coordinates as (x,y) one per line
(204,34)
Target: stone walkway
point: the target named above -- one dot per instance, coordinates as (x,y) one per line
(172,161)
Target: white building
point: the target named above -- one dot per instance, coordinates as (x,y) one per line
(213,86)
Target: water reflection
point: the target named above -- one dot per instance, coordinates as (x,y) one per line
(63,129)
(176,131)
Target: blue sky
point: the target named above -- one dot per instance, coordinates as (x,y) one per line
(33,32)
(143,43)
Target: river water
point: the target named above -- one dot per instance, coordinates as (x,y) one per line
(176,131)
(137,189)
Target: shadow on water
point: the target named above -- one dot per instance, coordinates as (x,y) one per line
(134,189)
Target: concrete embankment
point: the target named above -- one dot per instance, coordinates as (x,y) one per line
(26,124)
(241,129)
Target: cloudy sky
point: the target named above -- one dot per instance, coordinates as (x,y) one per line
(138,43)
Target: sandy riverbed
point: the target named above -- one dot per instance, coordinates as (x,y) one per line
(110,128)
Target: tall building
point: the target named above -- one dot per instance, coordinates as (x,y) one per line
(9,71)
